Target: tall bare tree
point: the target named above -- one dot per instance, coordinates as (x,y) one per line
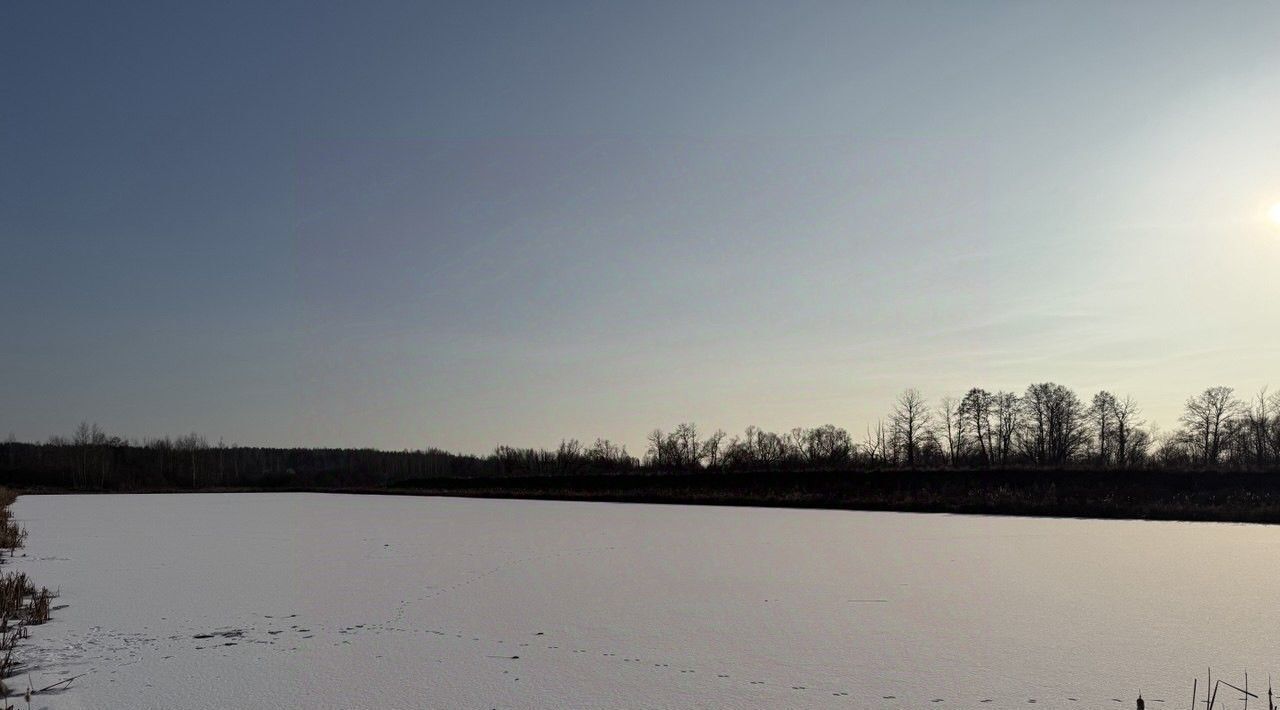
(1007,411)
(1055,430)
(711,448)
(911,417)
(951,429)
(976,409)
(1102,416)
(1207,417)
(877,444)
(1258,418)
(1128,436)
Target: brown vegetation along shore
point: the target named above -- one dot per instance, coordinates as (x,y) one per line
(22,604)
(1224,496)
(1185,495)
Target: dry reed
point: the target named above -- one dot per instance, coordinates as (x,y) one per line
(22,604)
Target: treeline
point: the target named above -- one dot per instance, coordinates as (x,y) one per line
(1046,426)
(92,459)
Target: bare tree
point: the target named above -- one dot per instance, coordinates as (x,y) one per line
(711,448)
(797,445)
(679,449)
(91,444)
(910,420)
(826,445)
(657,453)
(193,444)
(1055,430)
(1007,410)
(1258,421)
(688,445)
(1102,416)
(1131,441)
(952,429)
(1207,417)
(772,448)
(606,454)
(877,445)
(976,409)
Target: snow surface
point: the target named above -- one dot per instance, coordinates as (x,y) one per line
(309,600)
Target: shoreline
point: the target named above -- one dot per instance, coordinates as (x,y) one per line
(1195,496)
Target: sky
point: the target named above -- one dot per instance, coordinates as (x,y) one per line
(403,225)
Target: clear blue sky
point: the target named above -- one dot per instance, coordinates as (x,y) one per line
(412,224)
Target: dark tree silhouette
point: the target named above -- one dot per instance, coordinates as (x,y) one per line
(1208,417)
(911,419)
(1055,430)
(1047,426)
(976,409)
(951,429)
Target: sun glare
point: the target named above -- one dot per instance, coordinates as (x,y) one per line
(1274,214)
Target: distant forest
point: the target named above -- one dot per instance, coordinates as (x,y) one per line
(1046,426)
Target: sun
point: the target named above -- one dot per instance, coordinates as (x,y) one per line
(1274,214)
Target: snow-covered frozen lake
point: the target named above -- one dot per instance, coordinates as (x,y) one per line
(310,600)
